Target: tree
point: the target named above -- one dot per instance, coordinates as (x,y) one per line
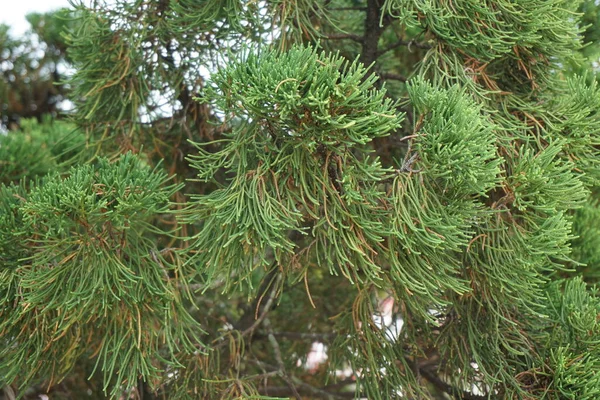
(410,184)
(32,68)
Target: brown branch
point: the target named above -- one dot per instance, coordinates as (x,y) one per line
(252,309)
(246,324)
(329,392)
(306,390)
(9,393)
(307,336)
(373,31)
(277,352)
(392,76)
(401,43)
(266,308)
(342,36)
(357,8)
(446,388)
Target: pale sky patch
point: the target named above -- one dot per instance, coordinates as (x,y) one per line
(14,11)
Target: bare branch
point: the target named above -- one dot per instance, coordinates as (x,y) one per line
(307,336)
(401,43)
(306,390)
(446,388)
(349,9)
(391,76)
(267,306)
(277,352)
(342,36)
(329,392)
(270,284)
(373,32)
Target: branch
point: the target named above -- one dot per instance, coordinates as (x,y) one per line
(308,336)
(446,388)
(245,323)
(306,390)
(401,43)
(373,32)
(348,9)
(279,360)
(303,388)
(266,309)
(392,76)
(9,393)
(350,36)
(251,310)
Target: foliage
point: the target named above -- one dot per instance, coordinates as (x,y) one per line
(69,285)
(410,185)
(37,149)
(31,68)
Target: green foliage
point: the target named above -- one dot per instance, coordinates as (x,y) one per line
(31,68)
(586,247)
(88,278)
(456,145)
(411,185)
(486,30)
(12,244)
(589,54)
(207,14)
(50,28)
(37,149)
(545,184)
(103,77)
(576,121)
(299,112)
(573,350)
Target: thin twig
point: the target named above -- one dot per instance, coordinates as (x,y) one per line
(408,137)
(303,335)
(373,32)
(326,392)
(308,390)
(401,43)
(279,359)
(392,76)
(9,393)
(273,284)
(266,308)
(342,36)
(446,388)
(408,163)
(348,9)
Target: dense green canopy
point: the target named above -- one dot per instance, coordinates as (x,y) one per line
(409,185)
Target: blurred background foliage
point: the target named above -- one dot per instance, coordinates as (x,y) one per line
(40,135)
